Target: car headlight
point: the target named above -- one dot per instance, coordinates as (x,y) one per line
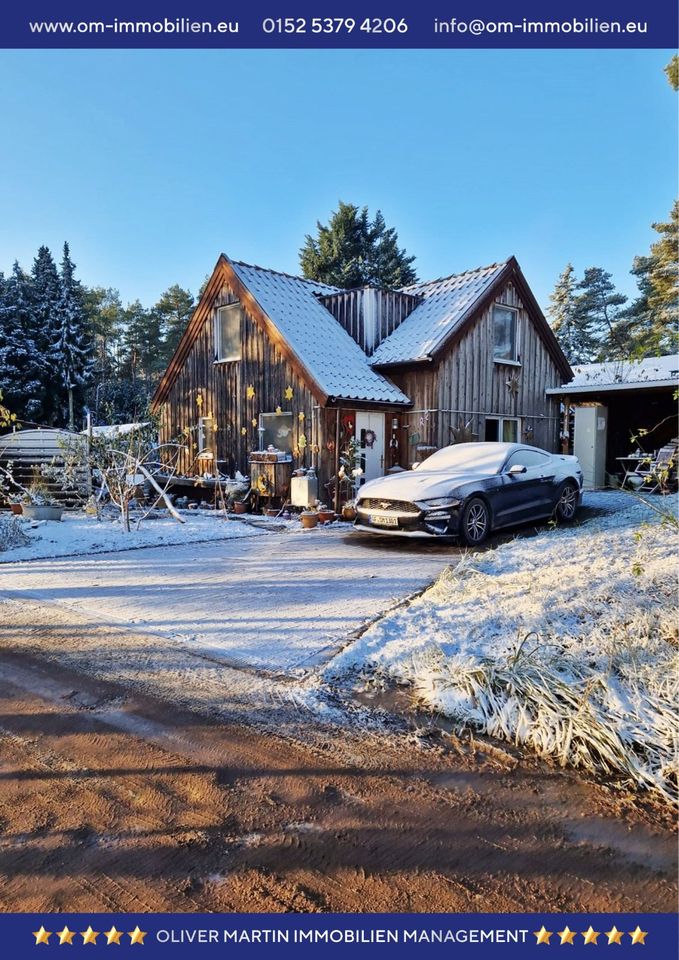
(440,503)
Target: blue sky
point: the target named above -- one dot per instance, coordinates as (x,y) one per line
(152,163)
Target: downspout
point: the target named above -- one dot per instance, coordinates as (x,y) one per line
(337,460)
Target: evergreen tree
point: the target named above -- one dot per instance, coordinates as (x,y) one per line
(562,317)
(74,345)
(104,311)
(22,368)
(664,281)
(672,72)
(597,312)
(353,251)
(142,344)
(174,309)
(45,288)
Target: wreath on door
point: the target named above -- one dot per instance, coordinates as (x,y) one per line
(369,438)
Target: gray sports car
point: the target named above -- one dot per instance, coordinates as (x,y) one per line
(470,489)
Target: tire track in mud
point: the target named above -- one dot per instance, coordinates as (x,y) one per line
(130,800)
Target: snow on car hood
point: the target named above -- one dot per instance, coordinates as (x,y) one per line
(418,484)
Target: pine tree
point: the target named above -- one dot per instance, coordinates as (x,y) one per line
(174,309)
(663,278)
(562,316)
(353,251)
(597,312)
(21,364)
(142,342)
(73,341)
(104,311)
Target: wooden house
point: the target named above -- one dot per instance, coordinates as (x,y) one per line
(270,359)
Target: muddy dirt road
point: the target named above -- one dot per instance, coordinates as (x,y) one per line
(115,795)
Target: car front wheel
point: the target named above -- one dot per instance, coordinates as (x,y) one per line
(567,504)
(474,523)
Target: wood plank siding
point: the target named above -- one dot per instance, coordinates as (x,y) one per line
(223,388)
(370,315)
(466,384)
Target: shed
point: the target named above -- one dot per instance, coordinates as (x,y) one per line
(29,450)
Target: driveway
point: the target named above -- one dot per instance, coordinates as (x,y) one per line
(281,602)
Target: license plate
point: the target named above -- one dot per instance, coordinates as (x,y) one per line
(379,520)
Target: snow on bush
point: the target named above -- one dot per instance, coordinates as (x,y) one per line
(11,534)
(565,642)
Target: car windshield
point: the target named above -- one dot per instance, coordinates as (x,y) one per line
(467,456)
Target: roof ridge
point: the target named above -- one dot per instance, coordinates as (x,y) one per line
(281,273)
(462,273)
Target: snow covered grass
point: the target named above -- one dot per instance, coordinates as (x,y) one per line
(565,642)
(78,534)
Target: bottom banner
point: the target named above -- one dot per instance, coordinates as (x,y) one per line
(288,935)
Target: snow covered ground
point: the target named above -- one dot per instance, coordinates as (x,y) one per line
(566,641)
(77,534)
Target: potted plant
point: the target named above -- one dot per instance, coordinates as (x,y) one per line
(325,514)
(37,502)
(309,519)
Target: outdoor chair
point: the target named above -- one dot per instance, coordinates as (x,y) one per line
(659,473)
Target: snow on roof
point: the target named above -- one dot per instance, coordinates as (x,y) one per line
(445,305)
(331,356)
(626,371)
(115,429)
(618,375)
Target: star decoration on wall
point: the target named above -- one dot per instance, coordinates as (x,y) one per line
(254,421)
(638,935)
(249,391)
(614,935)
(243,431)
(42,935)
(199,400)
(301,443)
(591,935)
(513,384)
(279,410)
(542,935)
(566,935)
(289,393)
(301,417)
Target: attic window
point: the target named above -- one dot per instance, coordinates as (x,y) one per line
(505,334)
(227,333)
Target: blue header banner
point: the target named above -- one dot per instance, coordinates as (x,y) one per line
(483,935)
(328,24)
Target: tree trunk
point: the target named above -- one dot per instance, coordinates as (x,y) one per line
(71,413)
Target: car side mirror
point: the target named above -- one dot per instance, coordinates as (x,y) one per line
(517,468)
(415,466)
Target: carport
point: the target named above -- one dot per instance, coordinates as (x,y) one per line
(611,409)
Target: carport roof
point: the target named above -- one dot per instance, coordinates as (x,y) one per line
(621,375)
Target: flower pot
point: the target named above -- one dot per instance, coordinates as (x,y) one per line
(309,519)
(272,511)
(16,508)
(349,512)
(326,516)
(33,512)
(240,506)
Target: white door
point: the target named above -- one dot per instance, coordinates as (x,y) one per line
(370,437)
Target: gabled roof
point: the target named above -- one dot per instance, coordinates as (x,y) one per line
(329,353)
(446,305)
(322,352)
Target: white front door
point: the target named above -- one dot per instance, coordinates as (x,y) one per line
(370,437)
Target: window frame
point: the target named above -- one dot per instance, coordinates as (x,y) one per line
(515,360)
(268,415)
(233,307)
(500,420)
(204,444)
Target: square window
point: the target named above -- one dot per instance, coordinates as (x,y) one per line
(227,332)
(510,431)
(277,431)
(504,321)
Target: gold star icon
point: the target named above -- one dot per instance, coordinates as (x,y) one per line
(90,936)
(137,936)
(614,935)
(65,936)
(199,400)
(542,935)
(42,936)
(301,417)
(254,421)
(289,392)
(279,410)
(638,935)
(244,431)
(113,936)
(591,935)
(250,391)
(566,935)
